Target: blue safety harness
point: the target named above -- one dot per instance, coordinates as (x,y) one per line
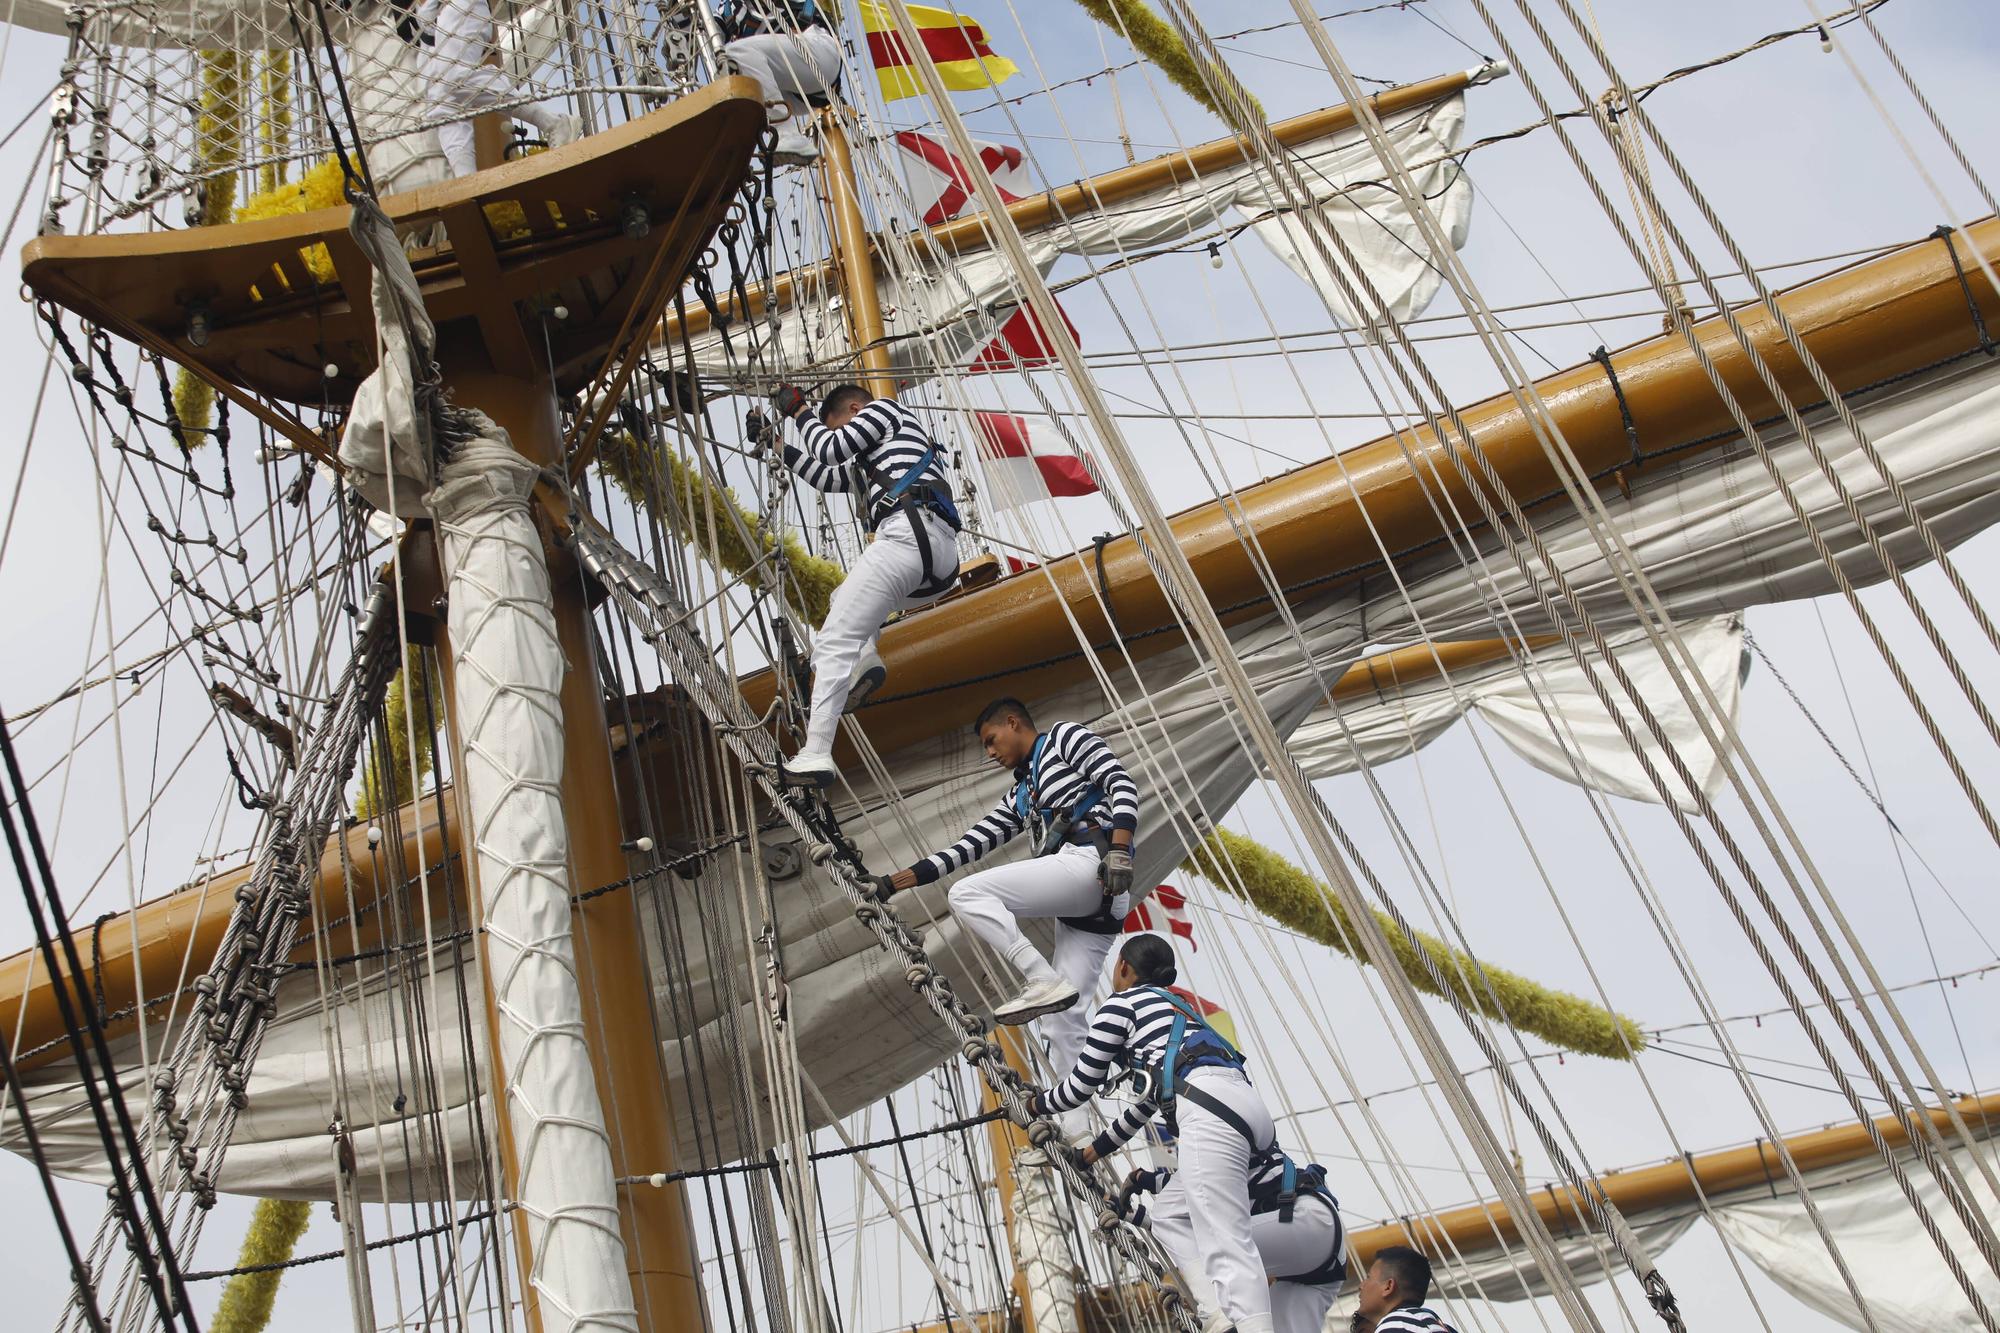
(1053,828)
(741,18)
(908,494)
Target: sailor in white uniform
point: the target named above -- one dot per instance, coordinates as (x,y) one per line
(459,35)
(1295,1222)
(1228,1147)
(879,450)
(789,48)
(1082,810)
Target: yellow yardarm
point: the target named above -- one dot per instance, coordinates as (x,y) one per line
(274,1233)
(1152,38)
(1294,899)
(643,471)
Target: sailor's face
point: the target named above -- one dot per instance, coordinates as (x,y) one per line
(1007,742)
(1372,1296)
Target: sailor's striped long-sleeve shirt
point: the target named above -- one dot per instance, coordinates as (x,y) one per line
(869,454)
(1073,760)
(1412,1319)
(1130,1030)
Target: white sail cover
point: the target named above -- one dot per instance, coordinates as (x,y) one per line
(1545,711)
(938,314)
(1710,534)
(1898,1270)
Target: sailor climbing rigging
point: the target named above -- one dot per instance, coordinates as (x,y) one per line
(879,450)
(1191,1075)
(458,37)
(789,48)
(1082,809)
(1296,1227)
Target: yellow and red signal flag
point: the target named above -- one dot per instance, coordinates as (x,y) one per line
(955,41)
(1211,1013)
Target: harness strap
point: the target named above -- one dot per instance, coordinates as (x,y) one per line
(1333,1269)
(1222,1111)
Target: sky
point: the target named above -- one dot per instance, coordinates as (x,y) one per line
(1801,167)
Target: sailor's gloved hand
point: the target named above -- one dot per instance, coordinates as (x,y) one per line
(790,400)
(759,429)
(1117,871)
(885,886)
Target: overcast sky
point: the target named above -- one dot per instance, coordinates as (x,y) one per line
(1802,167)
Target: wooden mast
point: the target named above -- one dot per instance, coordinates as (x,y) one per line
(521,316)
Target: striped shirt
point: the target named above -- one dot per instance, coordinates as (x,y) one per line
(869,454)
(1073,759)
(1412,1319)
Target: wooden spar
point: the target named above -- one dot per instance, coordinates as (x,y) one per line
(1479,1228)
(188,923)
(1006,1141)
(862,299)
(968,234)
(1893,315)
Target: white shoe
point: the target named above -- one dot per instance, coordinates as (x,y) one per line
(562,131)
(794,150)
(1039,999)
(867,680)
(806,769)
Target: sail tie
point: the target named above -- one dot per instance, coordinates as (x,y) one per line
(1603,358)
(1943,233)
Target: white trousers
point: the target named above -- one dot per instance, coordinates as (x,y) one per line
(991,902)
(1298,1246)
(1217,1239)
(460,81)
(789,68)
(883,580)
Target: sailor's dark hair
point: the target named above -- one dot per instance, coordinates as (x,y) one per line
(839,395)
(1411,1270)
(1152,958)
(998,709)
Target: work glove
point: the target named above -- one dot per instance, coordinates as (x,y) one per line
(885,887)
(790,400)
(1116,871)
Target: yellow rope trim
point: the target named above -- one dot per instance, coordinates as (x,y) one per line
(1294,899)
(1153,38)
(636,470)
(275,127)
(218,146)
(274,1233)
(395,719)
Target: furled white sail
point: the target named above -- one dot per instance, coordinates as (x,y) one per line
(1898,1270)
(1544,710)
(938,312)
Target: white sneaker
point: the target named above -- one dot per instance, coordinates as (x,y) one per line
(806,769)
(562,131)
(1039,999)
(867,679)
(794,150)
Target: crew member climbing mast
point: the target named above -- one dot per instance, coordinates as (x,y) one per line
(880,450)
(1228,1148)
(1083,809)
(459,36)
(789,48)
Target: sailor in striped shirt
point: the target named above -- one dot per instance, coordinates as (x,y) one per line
(1390,1299)
(1081,808)
(878,450)
(1226,1139)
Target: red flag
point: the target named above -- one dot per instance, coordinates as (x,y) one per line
(1021,344)
(1016,472)
(1165,909)
(935,167)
